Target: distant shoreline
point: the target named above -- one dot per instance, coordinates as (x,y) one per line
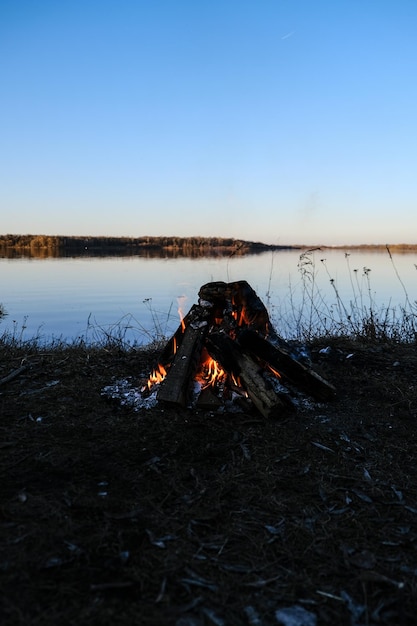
(57,245)
(394,247)
(147,246)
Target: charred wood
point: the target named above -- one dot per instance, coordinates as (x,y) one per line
(240,306)
(172,345)
(240,365)
(239,300)
(177,386)
(232,326)
(290,369)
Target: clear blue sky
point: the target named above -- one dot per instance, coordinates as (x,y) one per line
(283,121)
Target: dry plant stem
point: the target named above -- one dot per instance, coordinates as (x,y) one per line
(312,297)
(407,300)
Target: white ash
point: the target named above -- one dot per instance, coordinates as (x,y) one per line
(128,395)
(205,303)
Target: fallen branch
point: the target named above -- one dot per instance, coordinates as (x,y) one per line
(14,374)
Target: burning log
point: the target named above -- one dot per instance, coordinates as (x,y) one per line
(249,374)
(291,370)
(227,342)
(170,349)
(238,303)
(176,388)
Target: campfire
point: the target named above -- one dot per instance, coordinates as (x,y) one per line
(226,349)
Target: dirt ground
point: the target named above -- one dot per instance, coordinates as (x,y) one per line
(181,517)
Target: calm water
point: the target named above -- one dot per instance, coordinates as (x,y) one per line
(138,298)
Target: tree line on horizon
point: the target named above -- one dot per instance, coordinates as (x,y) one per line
(76,243)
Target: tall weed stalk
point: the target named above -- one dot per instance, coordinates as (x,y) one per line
(358,317)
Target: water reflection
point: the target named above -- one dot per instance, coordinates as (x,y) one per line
(148,253)
(71,296)
(45,246)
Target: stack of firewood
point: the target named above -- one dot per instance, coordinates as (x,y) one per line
(231,325)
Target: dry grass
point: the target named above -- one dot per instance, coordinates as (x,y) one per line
(311,314)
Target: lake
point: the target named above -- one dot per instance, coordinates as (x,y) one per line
(136,299)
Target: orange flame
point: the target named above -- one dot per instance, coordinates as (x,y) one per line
(210,373)
(181,320)
(157,376)
(274,371)
(241,314)
(181,300)
(236,381)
